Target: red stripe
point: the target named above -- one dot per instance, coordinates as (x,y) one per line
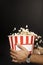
(34,40)
(16,40)
(31,39)
(14,47)
(26,40)
(12,43)
(21,40)
(33,44)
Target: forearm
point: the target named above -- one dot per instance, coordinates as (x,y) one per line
(36,59)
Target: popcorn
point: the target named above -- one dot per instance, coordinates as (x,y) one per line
(26,26)
(19,30)
(26,30)
(15,33)
(39,37)
(14,29)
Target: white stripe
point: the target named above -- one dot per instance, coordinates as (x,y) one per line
(24,39)
(29,37)
(10,42)
(18,39)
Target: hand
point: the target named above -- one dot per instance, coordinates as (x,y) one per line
(36,51)
(19,56)
(39,50)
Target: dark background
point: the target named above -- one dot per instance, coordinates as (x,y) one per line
(17,13)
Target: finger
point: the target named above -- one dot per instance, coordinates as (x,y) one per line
(13,51)
(14,61)
(14,57)
(13,54)
(21,47)
(17,61)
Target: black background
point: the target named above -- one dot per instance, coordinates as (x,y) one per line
(17,13)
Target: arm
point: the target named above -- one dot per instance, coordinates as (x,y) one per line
(36,58)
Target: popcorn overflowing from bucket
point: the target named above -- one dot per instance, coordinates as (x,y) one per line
(23,37)
(24,31)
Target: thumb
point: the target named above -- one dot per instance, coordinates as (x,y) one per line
(21,47)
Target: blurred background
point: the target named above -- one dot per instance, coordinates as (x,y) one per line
(18,13)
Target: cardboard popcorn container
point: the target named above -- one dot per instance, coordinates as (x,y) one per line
(25,40)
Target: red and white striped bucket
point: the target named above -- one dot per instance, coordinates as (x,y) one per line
(25,40)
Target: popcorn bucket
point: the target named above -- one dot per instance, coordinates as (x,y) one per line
(26,41)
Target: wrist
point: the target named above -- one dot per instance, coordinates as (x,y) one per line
(28,58)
